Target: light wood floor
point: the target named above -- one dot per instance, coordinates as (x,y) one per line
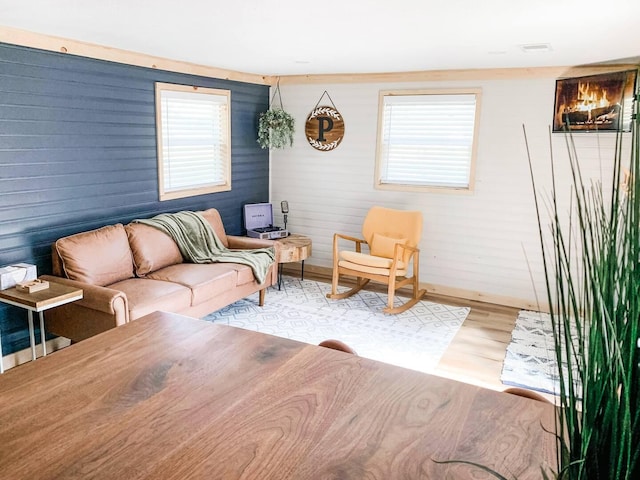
(477,351)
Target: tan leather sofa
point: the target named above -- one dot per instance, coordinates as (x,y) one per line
(128,271)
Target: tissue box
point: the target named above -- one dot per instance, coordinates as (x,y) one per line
(13,274)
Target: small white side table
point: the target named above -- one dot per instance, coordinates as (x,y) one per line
(54,296)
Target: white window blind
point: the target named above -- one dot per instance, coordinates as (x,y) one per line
(427,139)
(194,140)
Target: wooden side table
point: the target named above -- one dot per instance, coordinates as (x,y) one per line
(294,248)
(54,296)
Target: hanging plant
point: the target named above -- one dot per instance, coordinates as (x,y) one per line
(275,126)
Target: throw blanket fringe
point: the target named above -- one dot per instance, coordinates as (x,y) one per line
(198,243)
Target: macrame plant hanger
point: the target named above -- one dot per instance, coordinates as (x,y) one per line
(273,97)
(275,126)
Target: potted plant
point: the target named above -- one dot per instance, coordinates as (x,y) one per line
(275,126)
(592,266)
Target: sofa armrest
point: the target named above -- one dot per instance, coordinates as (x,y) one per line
(94,297)
(243,243)
(238,242)
(100,309)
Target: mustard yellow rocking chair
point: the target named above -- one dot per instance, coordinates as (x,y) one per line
(392,237)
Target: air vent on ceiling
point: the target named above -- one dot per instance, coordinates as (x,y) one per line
(536,47)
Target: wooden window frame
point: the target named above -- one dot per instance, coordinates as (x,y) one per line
(225,156)
(381,185)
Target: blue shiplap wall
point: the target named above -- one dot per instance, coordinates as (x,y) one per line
(78,151)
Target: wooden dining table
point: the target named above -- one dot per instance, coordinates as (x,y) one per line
(172,397)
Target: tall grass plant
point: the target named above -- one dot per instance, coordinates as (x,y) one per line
(592,268)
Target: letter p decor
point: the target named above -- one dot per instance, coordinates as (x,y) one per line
(324,128)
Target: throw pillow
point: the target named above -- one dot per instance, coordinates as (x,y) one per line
(383,246)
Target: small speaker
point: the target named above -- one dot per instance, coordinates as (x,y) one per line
(284,206)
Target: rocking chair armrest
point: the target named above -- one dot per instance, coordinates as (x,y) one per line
(397,256)
(406,247)
(358,241)
(348,237)
(337,236)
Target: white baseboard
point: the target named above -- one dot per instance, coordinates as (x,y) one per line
(23,356)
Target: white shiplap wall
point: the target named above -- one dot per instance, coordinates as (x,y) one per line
(472,244)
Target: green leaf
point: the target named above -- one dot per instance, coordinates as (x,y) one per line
(275,129)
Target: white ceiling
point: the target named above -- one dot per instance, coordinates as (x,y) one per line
(285,37)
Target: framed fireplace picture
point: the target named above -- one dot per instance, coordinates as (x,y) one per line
(595,102)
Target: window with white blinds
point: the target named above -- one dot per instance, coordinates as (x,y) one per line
(194,140)
(427,139)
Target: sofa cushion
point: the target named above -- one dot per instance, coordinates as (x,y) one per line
(152,249)
(245,274)
(99,257)
(145,296)
(206,280)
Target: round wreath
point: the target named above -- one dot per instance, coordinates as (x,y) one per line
(325,111)
(322,146)
(275,129)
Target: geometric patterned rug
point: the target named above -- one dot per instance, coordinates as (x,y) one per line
(414,339)
(530,361)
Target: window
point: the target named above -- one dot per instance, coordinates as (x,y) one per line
(194,140)
(427,139)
